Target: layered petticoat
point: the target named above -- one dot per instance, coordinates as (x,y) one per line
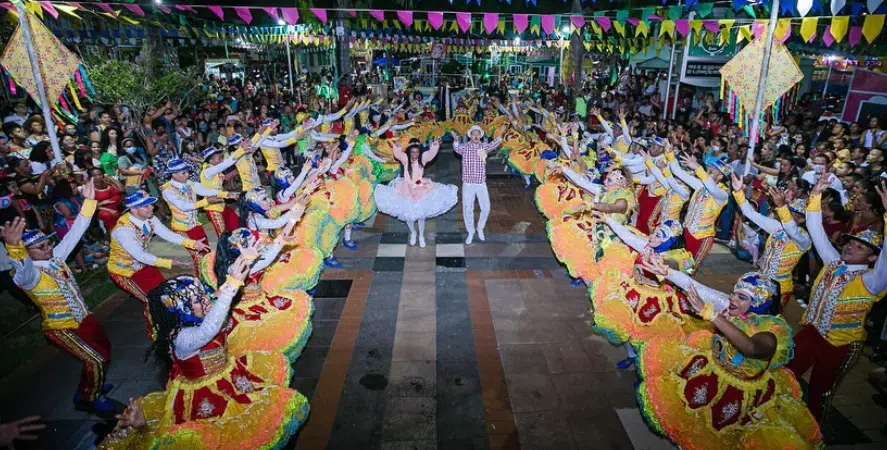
(436,200)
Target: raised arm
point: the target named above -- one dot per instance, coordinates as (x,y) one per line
(627,236)
(824,248)
(716,298)
(678,172)
(191,339)
(431,153)
(68,243)
(767,224)
(581,181)
(716,192)
(212,171)
(345,155)
(875,280)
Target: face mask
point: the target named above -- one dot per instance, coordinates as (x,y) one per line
(130,150)
(818,168)
(203,127)
(715,148)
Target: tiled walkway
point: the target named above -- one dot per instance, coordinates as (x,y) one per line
(485,346)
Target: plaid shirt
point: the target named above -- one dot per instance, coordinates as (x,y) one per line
(474,168)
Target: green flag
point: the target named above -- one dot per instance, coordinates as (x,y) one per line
(704,9)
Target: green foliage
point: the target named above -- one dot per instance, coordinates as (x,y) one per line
(140,83)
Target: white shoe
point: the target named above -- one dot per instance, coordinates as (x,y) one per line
(422,241)
(470,238)
(412,239)
(480,235)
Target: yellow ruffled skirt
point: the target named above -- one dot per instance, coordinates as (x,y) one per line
(262,322)
(687,396)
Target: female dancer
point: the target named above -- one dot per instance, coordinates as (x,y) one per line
(414,198)
(215,398)
(726,388)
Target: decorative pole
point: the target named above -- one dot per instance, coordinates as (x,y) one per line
(762,83)
(38,80)
(670,72)
(677,89)
(289,60)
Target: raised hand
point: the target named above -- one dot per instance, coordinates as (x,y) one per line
(778,196)
(690,162)
(12,231)
(239,269)
(882,192)
(822,184)
(737,183)
(88,190)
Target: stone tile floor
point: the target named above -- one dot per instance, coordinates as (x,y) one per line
(450,347)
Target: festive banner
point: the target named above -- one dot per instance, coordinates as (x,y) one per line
(521,22)
(547,21)
(435,19)
(290,15)
(405,17)
(872,26)
(464,21)
(740,73)
(135,9)
(491,21)
(578,21)
(217,10)
(839,27)
(320,13)
(808,27)
(244,14)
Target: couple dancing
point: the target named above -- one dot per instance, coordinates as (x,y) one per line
(413,198)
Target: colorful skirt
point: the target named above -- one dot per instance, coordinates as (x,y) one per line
(339,198)
(687,396)
(295,270)
(246,404)
(438,199)
(262,322)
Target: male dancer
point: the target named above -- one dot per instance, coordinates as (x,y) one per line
(41,271)
(181,195)
(130,265)
(222,217)
(474,178)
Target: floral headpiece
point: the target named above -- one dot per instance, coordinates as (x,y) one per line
(668,233)
(254,199)
(798,206)
(182,292)
(282,177)
(761,289)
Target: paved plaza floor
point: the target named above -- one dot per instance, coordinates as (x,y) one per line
(482,346)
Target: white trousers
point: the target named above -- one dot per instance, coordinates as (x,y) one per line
(470,191)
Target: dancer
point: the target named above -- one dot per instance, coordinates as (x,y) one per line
(787,241)
(214,398)
(131,267)
(727,388)
(221,216)
(181,196)
(474,178)
(41,271)
(708,199)
(848,285)
(414,198)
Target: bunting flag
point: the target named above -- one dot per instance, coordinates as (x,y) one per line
(464,21)
(547,21)
(872,26)
(244,14)
(578,21)
(290,15)
(804,7)
(491,22)
(682,26)
(271,11)
(667,27)
(808,28)
(827,37)
(839,27)
(783,29)
(712,26)
(320,13)
(379,15)
(218,11)
(872,6)
(855,35)
(520,22)
(836,6)
(604,22)
(619,28)
(135,9)
(50,9)
(435,19)
(641,29)
(405,17)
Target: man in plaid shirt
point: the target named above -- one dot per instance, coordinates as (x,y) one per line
(474,178)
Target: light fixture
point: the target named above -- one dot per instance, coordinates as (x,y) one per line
(159,2)
(281,22)
(238,40)
(565,30)
(517,40)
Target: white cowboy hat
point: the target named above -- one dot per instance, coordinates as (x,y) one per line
(475,128)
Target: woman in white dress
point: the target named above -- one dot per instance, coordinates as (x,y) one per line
(413,198)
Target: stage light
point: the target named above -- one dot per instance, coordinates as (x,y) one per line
(281,22)
(565,30)
(159,2)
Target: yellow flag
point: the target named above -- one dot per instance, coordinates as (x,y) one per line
(667,27)
(808,28)
(67,9)
(872,26)
(782,27)
(744,33)
(34,8)
(641,29)
(696,26)
(839,27)
(501,27)
(130,21)
(597,28)
(619,27)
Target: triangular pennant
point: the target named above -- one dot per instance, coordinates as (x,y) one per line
(705,9)
(217,10)
(491,21)
(50,9)
(604,22)
(520,22)
(290,15)
(712,26)
(435,19)
(827,37)
(547,22)
(377,14)
(872,6)
(804,7)
(578,21)
(855,35)
(244,14)
(839,27)
(641,29)
(872,26)
(836,6)
(808,27)
(320,13)
(667,27)
(674,12)
(464,21)
(405,17)
(682,26)
(619,27)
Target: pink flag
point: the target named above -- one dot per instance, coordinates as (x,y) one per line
(320,13)
(520,22)
(757,28)
(577,21)
(855,35)
(464,21)
(827,37)
(788,34)
(135,9)
(711,25)
(683,26)
(217,10)
(378,15)
(435,19)
(104,7)
(163,8)
(812,38)
(491,21)
(290,15)
(547,23)
(272,11)
(405,17)
(654,17)
(351,12)
(50,9)
(633,21)
(604,22)
(185,8)
(244,14)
